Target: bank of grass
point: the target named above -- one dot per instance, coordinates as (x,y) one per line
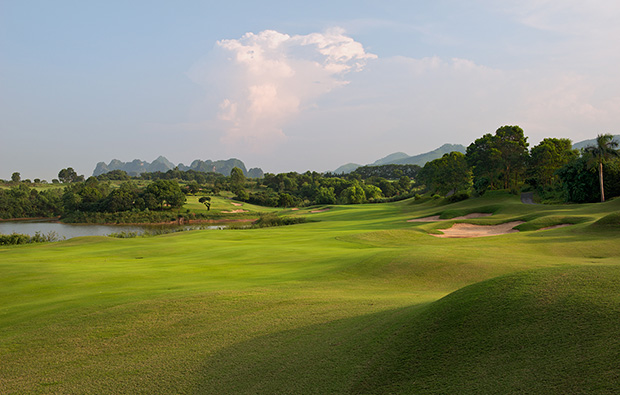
(349,304)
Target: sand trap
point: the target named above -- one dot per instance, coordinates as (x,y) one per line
(294,209)
(236,204)
(556,226)
(436,217)
(235,211)
(471,230)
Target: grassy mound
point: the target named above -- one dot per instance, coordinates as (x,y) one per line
(609,221)
(545,331)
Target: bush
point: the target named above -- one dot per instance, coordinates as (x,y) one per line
(272,219)
(457,197)
(16,238)
(124,235)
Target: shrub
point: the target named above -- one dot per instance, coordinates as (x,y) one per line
(457,197)
(272,219)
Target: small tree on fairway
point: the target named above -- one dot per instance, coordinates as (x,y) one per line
(206,200)
(605,149)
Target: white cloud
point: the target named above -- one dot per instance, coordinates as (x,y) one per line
(262,81)
(274,92)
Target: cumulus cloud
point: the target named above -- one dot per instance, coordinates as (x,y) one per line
(315,91)
(264,80)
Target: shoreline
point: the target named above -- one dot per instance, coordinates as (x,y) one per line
(166,223)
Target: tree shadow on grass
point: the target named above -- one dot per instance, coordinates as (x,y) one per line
(544,331)
(327,358)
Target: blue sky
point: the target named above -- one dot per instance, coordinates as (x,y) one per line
(287,85)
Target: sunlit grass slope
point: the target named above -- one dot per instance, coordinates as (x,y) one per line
(550,330)
(349,304)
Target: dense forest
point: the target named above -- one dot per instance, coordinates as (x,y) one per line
(503,160)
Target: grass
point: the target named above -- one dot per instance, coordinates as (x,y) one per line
(223,205)
(359,302)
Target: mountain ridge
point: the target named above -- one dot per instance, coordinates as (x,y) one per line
(401,158)
(162,164)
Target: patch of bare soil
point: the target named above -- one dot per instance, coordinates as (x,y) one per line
(471,230)
(436,217)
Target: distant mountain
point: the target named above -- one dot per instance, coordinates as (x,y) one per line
(400,158)
(346,169)
(218,166)
(585,143)
(137,167)
(390,159)
(421,159)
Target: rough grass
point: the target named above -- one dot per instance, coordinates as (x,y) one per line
(353,303)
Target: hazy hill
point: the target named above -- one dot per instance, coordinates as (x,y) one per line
(137,167)
(585,143)
(400,158)
(421,159)
(348,168)
(390,159)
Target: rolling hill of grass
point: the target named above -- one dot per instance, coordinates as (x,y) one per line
(361,301)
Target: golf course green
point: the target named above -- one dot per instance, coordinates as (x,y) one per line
(356,300)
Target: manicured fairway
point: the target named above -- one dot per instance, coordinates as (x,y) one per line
(361,301)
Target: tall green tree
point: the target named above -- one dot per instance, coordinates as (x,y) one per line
(501,157)
(512,146)
(451,172)
(547,158)
(483,157)
(237,178)
(69,175)
(16,177)
(604,150)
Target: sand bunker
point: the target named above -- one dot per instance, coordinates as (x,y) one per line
(235,211)
(236,204)
(436,217)
(471,230)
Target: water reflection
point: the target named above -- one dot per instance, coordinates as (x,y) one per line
(67,231)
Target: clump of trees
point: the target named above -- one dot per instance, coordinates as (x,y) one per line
(309,188)
(552,168)
(95,196)
(21,201)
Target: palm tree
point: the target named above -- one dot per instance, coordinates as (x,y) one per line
(604,150)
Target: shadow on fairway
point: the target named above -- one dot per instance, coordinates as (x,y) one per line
(551,330)
(322,359)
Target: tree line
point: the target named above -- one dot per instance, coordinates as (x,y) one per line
(551,168)
(501,160)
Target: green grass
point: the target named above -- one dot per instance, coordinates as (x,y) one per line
(221,204)
(359,302)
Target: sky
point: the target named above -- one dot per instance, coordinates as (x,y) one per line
(295,86)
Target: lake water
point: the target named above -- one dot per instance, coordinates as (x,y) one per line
(68,231)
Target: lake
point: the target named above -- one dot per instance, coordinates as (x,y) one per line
(68,231)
